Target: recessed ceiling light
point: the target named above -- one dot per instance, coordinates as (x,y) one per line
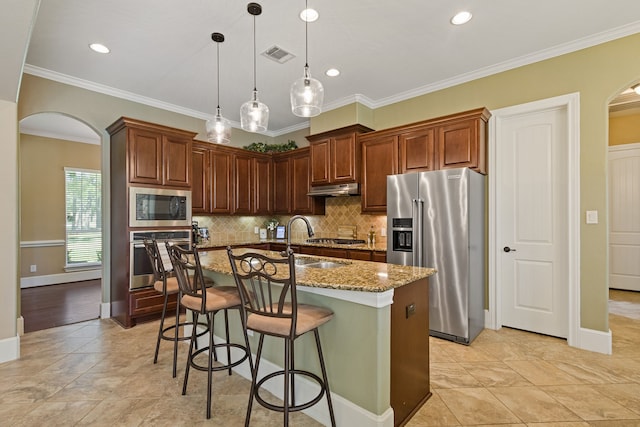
(309,15)
(332,72)
(100,48)
(461,18)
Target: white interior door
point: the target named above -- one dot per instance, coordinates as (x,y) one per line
(532,235)
(624,217)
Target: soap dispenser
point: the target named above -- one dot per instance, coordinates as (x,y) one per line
(372,236)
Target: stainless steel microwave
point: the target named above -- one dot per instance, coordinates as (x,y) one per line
(159,207)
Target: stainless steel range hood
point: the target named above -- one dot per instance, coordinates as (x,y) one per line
(351,189)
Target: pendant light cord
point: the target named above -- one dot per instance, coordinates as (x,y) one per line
(306,34)
(255,87)
(218,61)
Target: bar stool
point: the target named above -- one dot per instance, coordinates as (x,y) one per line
(167,285)
(267,287)
(201,300)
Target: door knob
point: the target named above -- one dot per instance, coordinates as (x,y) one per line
(508,249)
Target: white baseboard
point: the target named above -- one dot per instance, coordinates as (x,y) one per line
(105,310)
(588,339)
(53,279)
(20,326)
(346,412)
(592,340)
(10,349)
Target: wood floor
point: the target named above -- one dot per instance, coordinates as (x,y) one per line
(46,307)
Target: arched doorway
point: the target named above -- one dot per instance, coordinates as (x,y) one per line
(60,221)
(624,203)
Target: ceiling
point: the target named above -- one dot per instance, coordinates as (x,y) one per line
(162,53)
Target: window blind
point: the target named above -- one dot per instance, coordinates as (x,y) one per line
(83,217)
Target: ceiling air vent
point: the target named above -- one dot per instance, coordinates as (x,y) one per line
(278,54)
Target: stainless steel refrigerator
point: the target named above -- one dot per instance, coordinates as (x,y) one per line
(437,219)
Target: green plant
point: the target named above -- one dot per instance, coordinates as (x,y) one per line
(263,147)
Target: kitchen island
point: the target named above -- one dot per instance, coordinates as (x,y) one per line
(376,347)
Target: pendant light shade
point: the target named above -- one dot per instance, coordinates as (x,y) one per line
(254,115)
(218,128)
(307,93)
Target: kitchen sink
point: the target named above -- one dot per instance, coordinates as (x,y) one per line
(317,263)
(325,264)
(305,260)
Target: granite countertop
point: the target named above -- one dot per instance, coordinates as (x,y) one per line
(354,275)
(378,247)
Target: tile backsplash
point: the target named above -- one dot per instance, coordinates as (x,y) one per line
(339,211)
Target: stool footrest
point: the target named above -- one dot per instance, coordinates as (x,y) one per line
(219,367)
(164,335)
(294,408)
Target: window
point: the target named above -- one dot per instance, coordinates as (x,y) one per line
(84,217)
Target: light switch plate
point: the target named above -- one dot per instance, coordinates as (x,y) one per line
(592,217)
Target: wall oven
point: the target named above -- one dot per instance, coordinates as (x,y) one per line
(141,272)
(159,207)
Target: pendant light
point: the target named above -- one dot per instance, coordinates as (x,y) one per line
(306,93)
(218,128)
(254,115)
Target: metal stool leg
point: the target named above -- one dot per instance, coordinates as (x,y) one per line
(324,377)
(164,312)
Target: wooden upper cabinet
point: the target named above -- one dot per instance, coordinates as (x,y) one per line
(281,184)
(320,152)
(379,159)
(211,168)
(263,196)
(243,184)
(176,161)
(300,168)
(417,149)
(145,156)
(200,173)
(335,155)
(156,155)
(221,190)
(462,143)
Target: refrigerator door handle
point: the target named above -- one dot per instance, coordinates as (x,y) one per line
(417,232)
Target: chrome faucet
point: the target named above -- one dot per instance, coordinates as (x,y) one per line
(293,218)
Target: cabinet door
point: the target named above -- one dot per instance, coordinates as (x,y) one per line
(320,154)
(344,164)
(300,186)
(281,185)
(417,150)
(379,159)
(145,157)
(176,161)
(378,256)
(333,252)
(458,145)
(360,255)
(262,186)
(243,184)
(200,180)
(220,183)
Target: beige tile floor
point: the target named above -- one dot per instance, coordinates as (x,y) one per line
(96,373)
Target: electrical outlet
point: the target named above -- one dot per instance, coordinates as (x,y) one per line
(250,332)
(33,268)
(256,230)
(383,232)
(592,217)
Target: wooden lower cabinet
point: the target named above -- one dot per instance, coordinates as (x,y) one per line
(378,256)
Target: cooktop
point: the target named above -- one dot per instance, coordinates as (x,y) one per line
(336,241)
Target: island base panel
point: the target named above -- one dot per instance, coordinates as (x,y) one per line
(409,350)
